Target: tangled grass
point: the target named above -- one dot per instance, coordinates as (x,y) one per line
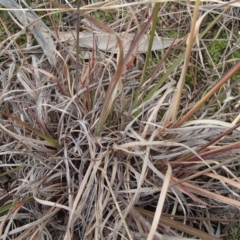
(120,144)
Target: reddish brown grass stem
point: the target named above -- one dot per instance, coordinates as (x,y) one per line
(223,80)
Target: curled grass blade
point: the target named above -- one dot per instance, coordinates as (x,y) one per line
(15,206)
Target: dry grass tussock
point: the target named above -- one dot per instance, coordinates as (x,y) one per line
(112,141)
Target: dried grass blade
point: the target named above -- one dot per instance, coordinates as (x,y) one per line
(136,40)
(190,42)
(37,132)
(218,150)
(77,199)
(10,171)
(52,204)
(224,179)
(222,81)
(39,122)
(178,225)
(160,204)
(211,195)
(109,98)
(224,163)
(16,206)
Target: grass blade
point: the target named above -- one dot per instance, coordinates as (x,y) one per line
(53,142)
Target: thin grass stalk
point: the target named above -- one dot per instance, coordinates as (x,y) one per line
(161,62)
(168,115)
(211,143)
(10,171)
(178,61)
(190,43)
(216,19)
(75,81)
(110,94)
(50,140)
(222,81)
(149,52)
(164,77)
(178,225)
(128,56)
(224,163)
(15,207)
(160,204)
(202,218)
(171,69)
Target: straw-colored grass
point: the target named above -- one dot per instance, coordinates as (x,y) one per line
(102,137)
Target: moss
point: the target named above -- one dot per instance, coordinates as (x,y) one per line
(189,81)
(175,33)
(12,28)
(216,49)
(172,34)
(234,232)
(236,77)
(105,16)
(236,54)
